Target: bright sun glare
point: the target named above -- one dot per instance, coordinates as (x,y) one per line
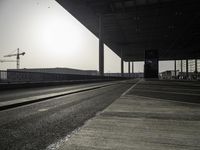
(61,36)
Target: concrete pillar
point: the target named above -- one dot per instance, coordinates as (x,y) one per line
(195,68)
(122,65)
(18,59)
(129,69)
(175,69)
(133,68)
(195,64)
(181,66)
(151,63)
(101,49)
(186,68)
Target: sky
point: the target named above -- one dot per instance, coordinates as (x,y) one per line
(52,37)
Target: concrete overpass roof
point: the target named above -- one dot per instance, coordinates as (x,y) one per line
(132,26)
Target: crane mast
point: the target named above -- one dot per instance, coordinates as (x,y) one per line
(18,58)
(18,54)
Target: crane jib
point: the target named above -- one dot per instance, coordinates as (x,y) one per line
(18,57)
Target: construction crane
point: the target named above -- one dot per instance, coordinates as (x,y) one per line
(2,60)
(18,54)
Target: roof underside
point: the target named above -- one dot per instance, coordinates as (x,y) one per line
(132,26)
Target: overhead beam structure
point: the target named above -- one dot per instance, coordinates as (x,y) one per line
(170,26)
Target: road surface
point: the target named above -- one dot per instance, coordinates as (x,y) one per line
(36,126)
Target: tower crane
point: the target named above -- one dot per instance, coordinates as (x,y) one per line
(18,54)
(2,60)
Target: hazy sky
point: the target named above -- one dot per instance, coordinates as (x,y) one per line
(51,37)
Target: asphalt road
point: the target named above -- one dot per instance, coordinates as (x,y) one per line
(7,95)
(36,126)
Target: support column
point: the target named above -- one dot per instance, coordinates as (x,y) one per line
(175,69)
(151,63)
(187,68)
(101,49)
(18,59)
(133,69)
(129,69)
(195,69)
(122,65)
(181,69)
(195,63)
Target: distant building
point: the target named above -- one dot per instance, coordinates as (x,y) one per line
(58,71)
(3,75)
(138,75)
(169,74)
(134,75)
(113,74)
(48,74)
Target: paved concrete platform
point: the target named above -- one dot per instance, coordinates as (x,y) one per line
(142,122)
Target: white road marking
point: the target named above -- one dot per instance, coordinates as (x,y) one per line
(61,142)
(134,85)
(43,109)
